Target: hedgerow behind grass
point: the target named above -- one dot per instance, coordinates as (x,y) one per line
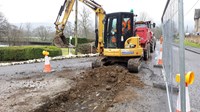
(20,53)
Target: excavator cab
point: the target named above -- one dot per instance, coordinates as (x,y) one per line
(118,27)
(120,43)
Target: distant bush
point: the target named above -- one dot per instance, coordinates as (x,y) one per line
(20,53)
(80,40)
(86,48)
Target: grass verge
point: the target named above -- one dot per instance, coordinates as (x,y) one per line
(65,51)
(188,43)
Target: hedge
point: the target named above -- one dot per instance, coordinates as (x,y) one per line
(20,53)
(86,48)
(80,40)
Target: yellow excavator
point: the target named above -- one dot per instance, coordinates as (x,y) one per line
(115,35)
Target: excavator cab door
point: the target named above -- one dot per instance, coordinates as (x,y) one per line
(117,29)
(111,31)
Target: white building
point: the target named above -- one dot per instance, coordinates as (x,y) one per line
(197,21)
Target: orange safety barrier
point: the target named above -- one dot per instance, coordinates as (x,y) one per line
(189,79)
(178,107)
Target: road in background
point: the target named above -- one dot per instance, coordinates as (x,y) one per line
(192,63)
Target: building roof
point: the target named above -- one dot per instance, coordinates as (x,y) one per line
(197,14)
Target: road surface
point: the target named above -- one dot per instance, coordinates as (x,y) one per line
(26,88)
(192,63)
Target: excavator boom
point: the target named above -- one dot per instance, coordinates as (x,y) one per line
(60,40)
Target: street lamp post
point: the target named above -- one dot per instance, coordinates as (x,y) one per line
(69,49)
(91,48)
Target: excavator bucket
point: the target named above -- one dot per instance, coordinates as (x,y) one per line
(60,41)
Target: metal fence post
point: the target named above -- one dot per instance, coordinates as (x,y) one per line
(173,32)
(182,54)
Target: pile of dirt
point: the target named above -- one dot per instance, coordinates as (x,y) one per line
(95,90)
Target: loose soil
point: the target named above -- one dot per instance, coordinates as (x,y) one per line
(95,90)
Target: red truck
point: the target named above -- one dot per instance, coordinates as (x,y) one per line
(147,39)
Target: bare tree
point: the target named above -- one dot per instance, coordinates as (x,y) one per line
(69,29)
(144,17)
(14,34)
(43,32)
(157,32)
(10,33)
(28,30)
(85,22)
(3,25)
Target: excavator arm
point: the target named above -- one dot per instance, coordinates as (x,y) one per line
(60,39)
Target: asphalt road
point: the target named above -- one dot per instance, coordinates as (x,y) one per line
(192,62)
(38,67)
(149,99)
(25,87)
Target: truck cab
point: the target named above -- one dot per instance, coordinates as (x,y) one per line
(147,40)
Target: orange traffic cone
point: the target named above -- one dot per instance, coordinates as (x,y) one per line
(47,66)
(161,39)
(178,108)
(160,62)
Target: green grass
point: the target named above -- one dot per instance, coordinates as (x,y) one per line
(188,43)
(65,51)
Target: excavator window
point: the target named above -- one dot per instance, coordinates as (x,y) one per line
(126,26)
(118,28)
(112,32)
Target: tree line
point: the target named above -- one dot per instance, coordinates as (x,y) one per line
(27,32)
(13,34)
(24,32)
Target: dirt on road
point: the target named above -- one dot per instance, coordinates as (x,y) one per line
(75,87)
(95,91)
(24,92)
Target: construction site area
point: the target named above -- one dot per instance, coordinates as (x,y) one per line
(94,58)
(76,87)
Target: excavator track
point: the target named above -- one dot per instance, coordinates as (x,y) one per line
(134,65)
(100,62)
(97,63)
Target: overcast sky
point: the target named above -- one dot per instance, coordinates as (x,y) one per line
(21,11)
